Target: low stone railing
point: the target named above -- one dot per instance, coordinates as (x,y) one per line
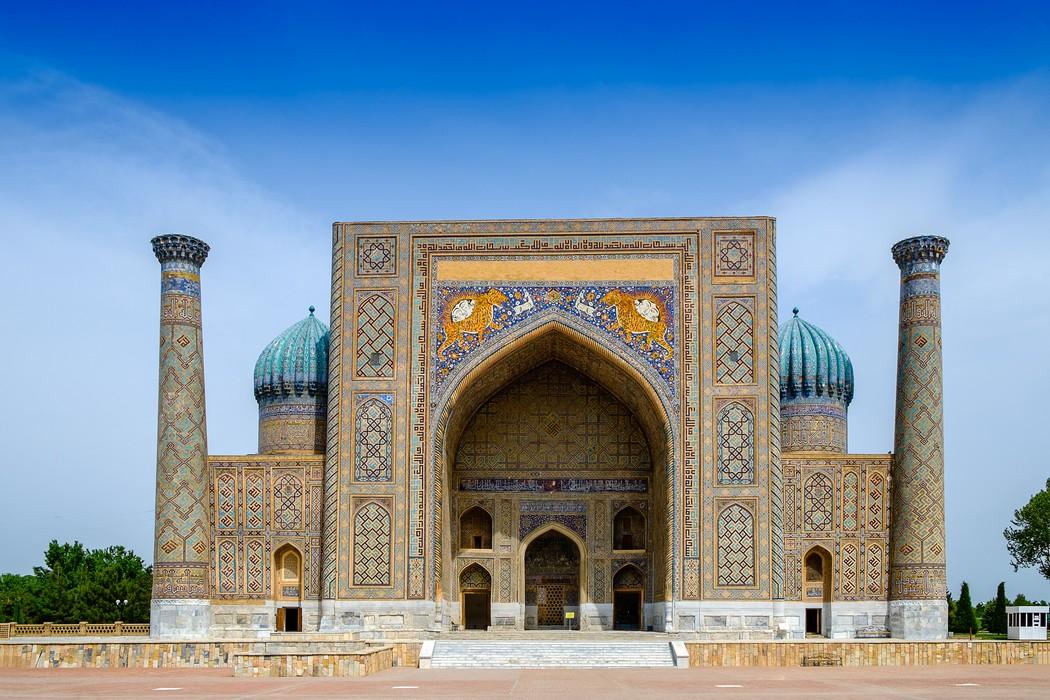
(80,629)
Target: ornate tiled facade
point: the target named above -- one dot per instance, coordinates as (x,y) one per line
(554,415)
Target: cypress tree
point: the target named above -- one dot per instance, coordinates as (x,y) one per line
(995,617)
(965,617)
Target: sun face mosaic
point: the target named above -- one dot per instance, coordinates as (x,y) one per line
(642,318)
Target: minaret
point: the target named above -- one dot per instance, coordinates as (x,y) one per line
(182,543)
(918,583)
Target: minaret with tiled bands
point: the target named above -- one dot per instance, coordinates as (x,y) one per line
(182,544)
(918,583)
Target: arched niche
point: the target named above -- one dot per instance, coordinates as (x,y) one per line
(288,588)
(571,343)
(816,588)
(629,529)
(475,529)
(552,577)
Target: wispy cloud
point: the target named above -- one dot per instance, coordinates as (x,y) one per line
(86,178)
(982,178)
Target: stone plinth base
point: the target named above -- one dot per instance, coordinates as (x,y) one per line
(179,618)
(343,664)
(918,619)
(378,615)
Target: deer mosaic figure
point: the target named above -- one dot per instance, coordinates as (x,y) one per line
(471,313)
(639,314)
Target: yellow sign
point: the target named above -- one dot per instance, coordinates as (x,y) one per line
(570,615)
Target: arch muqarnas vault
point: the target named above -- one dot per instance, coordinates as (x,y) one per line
(530,424)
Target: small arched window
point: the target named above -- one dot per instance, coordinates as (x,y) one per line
(475,529)
(629,530)
(815,568)
(287,572)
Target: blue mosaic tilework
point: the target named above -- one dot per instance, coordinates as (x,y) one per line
(519,304)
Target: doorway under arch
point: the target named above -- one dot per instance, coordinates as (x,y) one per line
(628,598)
(288,588)
(475,590)
(552,581)
(816,588)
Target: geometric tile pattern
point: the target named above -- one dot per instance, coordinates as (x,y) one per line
(254,501)
(226,502)
(875,566)
(373,437)
(275,512)
(288,503)
(734,341)
(372,542)
(850,501)
(734,254)
(374,337)
(876,502)
(818,499)
(857,534)
(475,577)
(553,418)
(736,546)
(376,256)
(504,580)
(848,565)
(227,561)
(736,444)
(255,568)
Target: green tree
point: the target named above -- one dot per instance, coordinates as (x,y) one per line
(965,618)
(18,598)
(995,615)
(79,584)
(951,611)
(1028,537)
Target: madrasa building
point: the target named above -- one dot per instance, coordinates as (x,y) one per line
(592,424)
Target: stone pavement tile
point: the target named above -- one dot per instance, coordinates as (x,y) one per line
(1021,682)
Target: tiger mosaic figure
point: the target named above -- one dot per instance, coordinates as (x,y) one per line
(639,314)
(469,313)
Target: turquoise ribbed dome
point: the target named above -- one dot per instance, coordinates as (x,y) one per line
(295,363)
(812,364)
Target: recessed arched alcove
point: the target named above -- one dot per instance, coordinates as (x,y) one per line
(555,427)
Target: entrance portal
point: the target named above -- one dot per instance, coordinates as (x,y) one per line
(552,582)
(813,626)
(627,598)
(475,584)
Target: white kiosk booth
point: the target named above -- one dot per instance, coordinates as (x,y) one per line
(1026,622)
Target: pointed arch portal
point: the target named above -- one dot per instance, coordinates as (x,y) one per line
(560,481)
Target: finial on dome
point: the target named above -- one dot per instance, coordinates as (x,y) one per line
(795,311)
(312,309)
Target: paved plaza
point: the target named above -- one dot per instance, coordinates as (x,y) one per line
(1001,682)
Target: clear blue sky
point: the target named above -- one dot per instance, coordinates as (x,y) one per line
(254,125)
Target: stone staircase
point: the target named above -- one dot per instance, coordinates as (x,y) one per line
(547,653)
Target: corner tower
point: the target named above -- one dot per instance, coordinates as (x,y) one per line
(182,535)
(816,388)
(917,587)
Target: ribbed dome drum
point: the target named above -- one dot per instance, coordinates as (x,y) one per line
(291,386)
(816,388)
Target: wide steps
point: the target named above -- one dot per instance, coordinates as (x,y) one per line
(550,654)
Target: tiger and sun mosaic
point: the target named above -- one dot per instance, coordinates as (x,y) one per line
(518,423)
